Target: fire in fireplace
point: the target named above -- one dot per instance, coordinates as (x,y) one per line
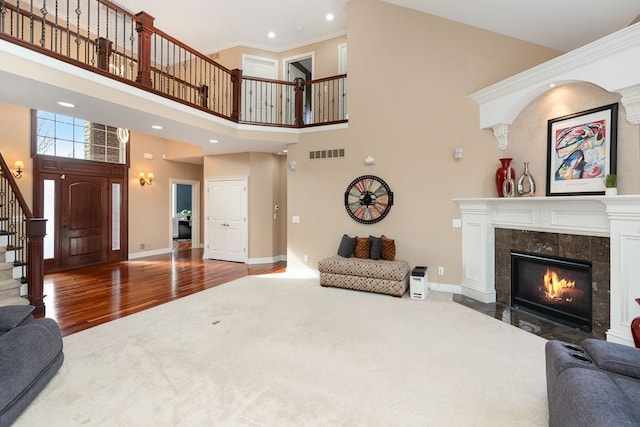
(556,288)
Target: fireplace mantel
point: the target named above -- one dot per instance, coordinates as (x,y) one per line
(616,217)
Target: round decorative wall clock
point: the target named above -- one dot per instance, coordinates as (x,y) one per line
(368,199)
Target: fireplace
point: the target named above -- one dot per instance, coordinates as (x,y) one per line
(553,287)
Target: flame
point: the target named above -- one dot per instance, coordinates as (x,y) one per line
(554,288)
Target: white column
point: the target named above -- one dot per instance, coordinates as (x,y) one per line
(624,217)
(478,276)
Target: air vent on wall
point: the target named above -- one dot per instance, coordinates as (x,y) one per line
(326,154)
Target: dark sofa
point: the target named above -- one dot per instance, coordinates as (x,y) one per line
(30,355)
(594,384)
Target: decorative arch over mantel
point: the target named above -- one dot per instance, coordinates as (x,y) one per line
(611,63)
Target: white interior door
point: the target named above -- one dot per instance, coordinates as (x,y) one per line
(226,236)
(342,69)
(259,102)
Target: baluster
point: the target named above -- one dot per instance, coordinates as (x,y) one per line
(78,12)
(131,61)
(3,12)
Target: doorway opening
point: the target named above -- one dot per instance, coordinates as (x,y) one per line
(301,66)
(185,208)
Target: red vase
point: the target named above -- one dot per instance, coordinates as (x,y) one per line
(635,328)
(502,173)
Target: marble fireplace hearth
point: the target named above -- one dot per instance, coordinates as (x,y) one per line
(584,248)
(604,230)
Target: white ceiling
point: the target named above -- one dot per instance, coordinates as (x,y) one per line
(213,26)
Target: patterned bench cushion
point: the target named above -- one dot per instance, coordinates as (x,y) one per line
(397,270)
(391,287)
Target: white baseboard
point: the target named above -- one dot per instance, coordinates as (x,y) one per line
(144,254)
(444,287)
(267,260)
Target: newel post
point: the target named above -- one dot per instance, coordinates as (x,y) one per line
(299,102)
(105,49)
(145,29)
(236,81)
(36,230)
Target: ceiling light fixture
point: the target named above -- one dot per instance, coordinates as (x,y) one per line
(552,85)
(213,141)
(329,16)
(157,127)
(271,35)
(66,104)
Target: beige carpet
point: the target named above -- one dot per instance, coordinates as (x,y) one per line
(282,351)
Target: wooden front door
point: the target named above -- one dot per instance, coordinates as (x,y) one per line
(84,211)
(85,204)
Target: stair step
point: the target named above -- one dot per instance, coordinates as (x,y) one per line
(9,284)
(13,301)
(6,271)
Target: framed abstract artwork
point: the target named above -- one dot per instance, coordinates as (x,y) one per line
(581,151)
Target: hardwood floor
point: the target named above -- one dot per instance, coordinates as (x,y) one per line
(86,297)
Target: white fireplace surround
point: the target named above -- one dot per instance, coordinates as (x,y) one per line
(616,217)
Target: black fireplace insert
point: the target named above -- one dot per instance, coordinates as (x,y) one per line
(553,287)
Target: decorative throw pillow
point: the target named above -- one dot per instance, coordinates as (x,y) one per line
(388,248)
(375,251)
(347,245)
(362,248)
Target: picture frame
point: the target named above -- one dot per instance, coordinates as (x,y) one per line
(581,151)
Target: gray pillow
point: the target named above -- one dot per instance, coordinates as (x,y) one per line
(347,245)
(614,357)
(375,249)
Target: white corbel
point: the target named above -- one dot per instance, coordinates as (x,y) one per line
(501,132)
(631,101)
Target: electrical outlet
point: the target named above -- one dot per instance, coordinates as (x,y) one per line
(142,245)
(306,258)
(440,271)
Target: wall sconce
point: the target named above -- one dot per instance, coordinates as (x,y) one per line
(369,161)
(147,180)
(19,167)
(292,164)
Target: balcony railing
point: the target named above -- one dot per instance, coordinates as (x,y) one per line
(105,38)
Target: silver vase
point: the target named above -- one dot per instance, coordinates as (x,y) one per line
(509,185)
(526,184)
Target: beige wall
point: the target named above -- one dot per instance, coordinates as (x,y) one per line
(409,77)
(15,144)
(325,56)
(150,211)
(266,189)
(528,133)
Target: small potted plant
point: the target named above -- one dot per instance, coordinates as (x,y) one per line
(611,184)
(187,213)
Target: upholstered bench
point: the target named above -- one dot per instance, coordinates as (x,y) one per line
(363,274)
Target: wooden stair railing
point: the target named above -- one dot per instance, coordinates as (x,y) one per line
(26,236)
(106,39)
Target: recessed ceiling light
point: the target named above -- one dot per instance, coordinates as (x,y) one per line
(329,16)
(552,85)
(66,104)
(271,35)
(213,141)
(285,151)
(157,127)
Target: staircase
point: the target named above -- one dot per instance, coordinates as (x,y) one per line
(10,275)
(21,246)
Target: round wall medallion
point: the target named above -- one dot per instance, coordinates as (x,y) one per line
(368,199)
